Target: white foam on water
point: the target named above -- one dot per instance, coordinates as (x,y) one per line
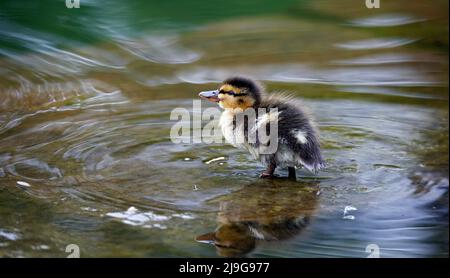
(9,235)
(134,217)
(183,216)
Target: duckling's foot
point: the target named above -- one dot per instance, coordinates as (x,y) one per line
(265,175)
(268,173)
(292,175)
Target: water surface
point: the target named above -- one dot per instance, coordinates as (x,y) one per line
(86,158)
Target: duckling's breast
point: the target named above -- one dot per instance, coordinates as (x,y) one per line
(243,134)
(236,131)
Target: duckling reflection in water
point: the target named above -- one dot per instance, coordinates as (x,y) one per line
(297,144)
(262,211)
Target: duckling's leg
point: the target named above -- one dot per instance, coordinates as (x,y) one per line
(268,173)
(292,174)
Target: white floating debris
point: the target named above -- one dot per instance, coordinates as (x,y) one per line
(159,226)
(187,159)
(9,235)
(133,217)
(348,209)
(195,187)
(40,247)
(23,183)
(215,159)
(88,209)
(183,216)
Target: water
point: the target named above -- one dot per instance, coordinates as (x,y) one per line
(86,158)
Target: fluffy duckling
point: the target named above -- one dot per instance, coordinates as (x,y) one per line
(293,144)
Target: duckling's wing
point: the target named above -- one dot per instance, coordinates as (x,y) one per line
(296,130)
(307,150)
(301,137)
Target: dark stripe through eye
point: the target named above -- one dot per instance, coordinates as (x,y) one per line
(231,93)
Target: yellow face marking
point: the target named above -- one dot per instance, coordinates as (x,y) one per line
(230,101)
(229,88)
(233,101)
(226,101)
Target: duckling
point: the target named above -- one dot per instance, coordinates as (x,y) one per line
(296,139)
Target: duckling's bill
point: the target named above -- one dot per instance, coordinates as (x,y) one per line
(212,95)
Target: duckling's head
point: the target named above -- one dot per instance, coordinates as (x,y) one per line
(235,92)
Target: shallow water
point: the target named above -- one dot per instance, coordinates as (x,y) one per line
(86,157)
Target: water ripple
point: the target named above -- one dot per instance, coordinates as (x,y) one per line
(390,58)
(46,59)
(378,43)
(386,20)
(296,73)
(163,50)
